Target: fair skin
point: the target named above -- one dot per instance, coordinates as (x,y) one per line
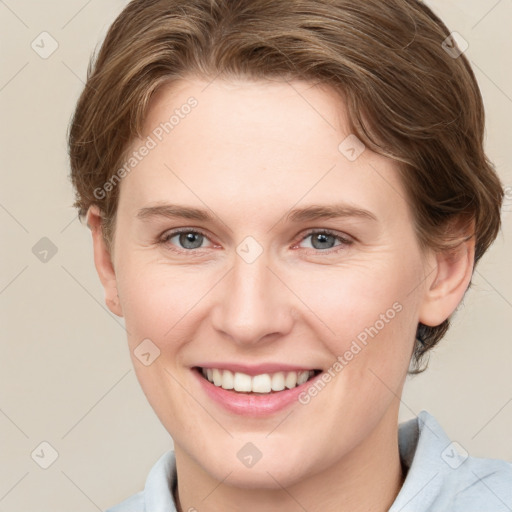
(248,154)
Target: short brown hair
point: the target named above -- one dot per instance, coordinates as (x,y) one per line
(407,96)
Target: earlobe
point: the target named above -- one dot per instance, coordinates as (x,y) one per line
(103,261)
(448,283)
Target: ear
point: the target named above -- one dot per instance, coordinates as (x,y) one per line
(448,283)
(103,261)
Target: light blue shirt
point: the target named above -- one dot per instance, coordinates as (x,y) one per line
(440,476)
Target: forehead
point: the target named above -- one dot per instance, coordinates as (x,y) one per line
(253,143)
(250,113)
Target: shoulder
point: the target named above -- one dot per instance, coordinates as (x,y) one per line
(134,503)
(480,482)
(442,475)
(157,494)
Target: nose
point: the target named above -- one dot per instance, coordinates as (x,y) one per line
(252,305)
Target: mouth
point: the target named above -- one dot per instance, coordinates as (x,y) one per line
(261,384)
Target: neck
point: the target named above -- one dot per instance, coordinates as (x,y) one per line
(368,478)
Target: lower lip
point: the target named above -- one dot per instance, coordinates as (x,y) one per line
(252,404)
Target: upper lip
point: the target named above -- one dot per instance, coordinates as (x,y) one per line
(256,369)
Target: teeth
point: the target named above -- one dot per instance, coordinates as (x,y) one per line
(263,383)
(242,382)
(302,377)
(291,380)
(278,381)
(217,377)
(227,380)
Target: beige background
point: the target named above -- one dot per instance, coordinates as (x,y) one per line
(65,373)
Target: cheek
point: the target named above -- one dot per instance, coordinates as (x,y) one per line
(354,299)
(156,299)
(367,318)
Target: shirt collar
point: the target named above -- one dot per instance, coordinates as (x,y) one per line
(158,491)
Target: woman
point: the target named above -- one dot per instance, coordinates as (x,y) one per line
(287,200)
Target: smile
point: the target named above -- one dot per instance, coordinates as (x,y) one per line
(264,383)
(253,391)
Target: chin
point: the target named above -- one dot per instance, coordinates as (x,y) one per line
(274,477)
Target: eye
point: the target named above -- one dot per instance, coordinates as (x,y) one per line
(323,240)
(185,239)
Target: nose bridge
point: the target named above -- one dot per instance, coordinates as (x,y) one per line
(253,304)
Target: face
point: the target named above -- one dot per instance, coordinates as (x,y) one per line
(249,243)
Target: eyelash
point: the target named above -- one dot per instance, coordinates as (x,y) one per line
(344,241)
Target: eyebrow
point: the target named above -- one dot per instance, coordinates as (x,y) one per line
(173,211)
(296,215)
(328,212)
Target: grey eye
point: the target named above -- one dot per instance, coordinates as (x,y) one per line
(187,239)
(322,240)
(191,240)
